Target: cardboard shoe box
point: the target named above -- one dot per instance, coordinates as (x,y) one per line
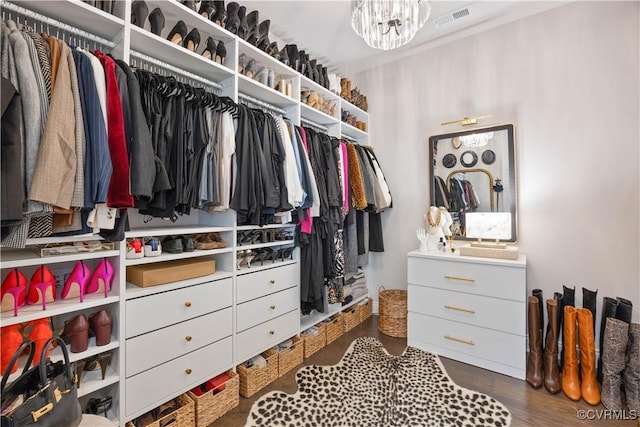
(159,273)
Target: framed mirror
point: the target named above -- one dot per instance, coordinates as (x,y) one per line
(473,175)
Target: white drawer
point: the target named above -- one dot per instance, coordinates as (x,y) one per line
(264,282)
(167,308)
(269,307)
(468,308)
(265,335)
(155,386)
(481,279)
(485,344)
(146,351)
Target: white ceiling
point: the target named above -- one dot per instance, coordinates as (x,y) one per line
(323,28)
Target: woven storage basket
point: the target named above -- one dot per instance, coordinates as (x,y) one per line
(313,343)
(184,416)
(334,328)
(351,318)
(290,357)
(365,309)
(254,379)
(209,407)
(392,312)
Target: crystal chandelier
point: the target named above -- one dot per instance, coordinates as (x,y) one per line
(388,24)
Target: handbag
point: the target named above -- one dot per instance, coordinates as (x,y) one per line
(45,395)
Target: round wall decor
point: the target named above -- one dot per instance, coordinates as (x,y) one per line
(488,157)
(449,161)
(468,159)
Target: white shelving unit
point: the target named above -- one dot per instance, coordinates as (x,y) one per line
(315,317)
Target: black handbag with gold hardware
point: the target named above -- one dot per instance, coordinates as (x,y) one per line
(45,395)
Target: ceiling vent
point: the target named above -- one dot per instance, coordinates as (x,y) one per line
(453,16)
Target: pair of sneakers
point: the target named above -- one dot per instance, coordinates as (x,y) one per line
(139,248)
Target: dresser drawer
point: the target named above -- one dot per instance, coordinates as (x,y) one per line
(485,344)
(167,308)
(259,338)
(457,275)
(157,385)
(264,282)
(177,340)
(468,308)
(269,307)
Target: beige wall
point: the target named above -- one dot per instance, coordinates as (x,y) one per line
(568,80)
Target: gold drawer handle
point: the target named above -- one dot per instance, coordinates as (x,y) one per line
(272,307)
(453,307)
(449,337)
(272,281)
(272,332)
(463,279)
(188,371)
(188,338)
(187,304)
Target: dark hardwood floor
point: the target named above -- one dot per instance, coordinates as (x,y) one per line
(528,406)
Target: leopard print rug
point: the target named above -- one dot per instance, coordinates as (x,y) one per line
(369,387)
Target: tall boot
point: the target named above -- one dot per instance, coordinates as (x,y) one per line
(587,342)
(534,358)
(568,299)
(551,369)
(609,306)
(589,302)
(632,370)
(624,310)
(616,337)
(570,379)
(538,294)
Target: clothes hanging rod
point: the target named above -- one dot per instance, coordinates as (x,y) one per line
(348,138)
(261,103)
(314,125)
(174,69)
(55,23)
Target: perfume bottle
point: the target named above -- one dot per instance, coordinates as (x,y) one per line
(441,245)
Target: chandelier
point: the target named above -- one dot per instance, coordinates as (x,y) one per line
(388,24)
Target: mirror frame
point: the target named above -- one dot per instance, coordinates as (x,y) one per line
(512,179)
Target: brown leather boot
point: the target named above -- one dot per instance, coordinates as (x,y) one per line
(100,322)
(534,358)
(76,332)
(570,379)
(616,337)
(551,368)
(345,88)
(632,370)
(586,339)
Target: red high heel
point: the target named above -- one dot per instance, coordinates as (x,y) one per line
(80,275)
(39,331)
(41,280)
(15,284)
(101,278)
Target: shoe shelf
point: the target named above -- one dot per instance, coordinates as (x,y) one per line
(25,257)
(322,91)
(92,381)
(174,231)
(267,266)
(165,256)
(263,59)
(318,116)
(28,313)
(353,132)
(314,317)
(261,227)
(134,291)
(80,15)
(264,93)
(266,244)
(359,113)
(64,239)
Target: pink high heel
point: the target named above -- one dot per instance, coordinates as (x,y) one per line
(80,275)
(15,284)
(101,278)
(42,279)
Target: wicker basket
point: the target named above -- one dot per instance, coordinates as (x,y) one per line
(290,357)
(184,416)
(392,312)
(254,379)
(365,309)
(313,343)
(334,328)
(351,318)
(209,407)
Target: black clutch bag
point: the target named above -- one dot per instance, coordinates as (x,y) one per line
(45,395)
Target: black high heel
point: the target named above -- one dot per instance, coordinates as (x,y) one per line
(263,36)
(251,34)
(156,19)
(178,33)
(191,4)
(220,15)
(221,53)
(243,29)
(139,11)
(192,40)
(207,9)
(209,51)
(233,20)
(273,50)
